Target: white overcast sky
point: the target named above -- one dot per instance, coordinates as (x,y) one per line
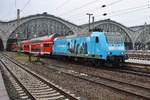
(126,12)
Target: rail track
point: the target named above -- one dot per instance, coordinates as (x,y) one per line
(32,86)
(129,68)
(141,55)
(135,68)
(139,65)
(132,89)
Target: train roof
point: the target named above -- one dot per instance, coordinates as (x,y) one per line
(25,41)
(79,35)
(94,33)
(44,38)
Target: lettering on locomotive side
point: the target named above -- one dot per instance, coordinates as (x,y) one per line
(77,48)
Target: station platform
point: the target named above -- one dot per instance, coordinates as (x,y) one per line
(3,92)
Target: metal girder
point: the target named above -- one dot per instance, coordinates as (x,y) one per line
(41,27)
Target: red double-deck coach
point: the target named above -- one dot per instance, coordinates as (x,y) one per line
(39,46)
(25,46)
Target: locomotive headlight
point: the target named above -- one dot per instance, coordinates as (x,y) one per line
(122,53)
(109,53)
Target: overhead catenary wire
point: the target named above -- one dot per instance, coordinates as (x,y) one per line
(127,12)
(26,4)
(109,4)
(113,13)
(14,13)
(128,9)
(61,5)
(79,13)
(119,13)
(135,10)
(113,3)
(10,11)
(97,8)
(77,8)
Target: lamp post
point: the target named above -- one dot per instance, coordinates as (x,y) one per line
(89,14)
(93,22)
(18,17)
(18,21)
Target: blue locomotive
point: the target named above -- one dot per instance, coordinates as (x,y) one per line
(107,46)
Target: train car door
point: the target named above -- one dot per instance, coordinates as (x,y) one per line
(92,46)
(97,45)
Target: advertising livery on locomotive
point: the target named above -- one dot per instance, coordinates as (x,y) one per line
(97,45)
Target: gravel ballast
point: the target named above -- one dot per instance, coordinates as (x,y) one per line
(85,89)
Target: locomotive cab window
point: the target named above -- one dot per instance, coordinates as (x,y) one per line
(68,44)
(46,45)
(97,40)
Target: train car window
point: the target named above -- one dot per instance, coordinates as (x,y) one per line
(114,37)
(25,46)
(97,40)
(68,44)
(35,50)
(46,45)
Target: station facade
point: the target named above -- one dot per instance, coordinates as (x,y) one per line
(137,37)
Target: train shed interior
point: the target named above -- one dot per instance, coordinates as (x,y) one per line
(1,45)
(9,43)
